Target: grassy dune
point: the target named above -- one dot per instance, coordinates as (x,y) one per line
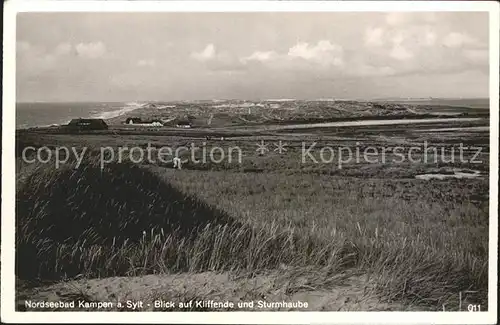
(419,243)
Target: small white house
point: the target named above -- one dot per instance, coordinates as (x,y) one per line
(184,124)
(133,120)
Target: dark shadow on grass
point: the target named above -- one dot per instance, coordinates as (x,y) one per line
(101,207)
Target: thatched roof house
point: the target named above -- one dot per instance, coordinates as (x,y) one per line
(87,124)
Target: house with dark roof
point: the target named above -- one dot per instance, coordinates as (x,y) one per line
(87,124)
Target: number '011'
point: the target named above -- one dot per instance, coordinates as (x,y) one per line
(474,307)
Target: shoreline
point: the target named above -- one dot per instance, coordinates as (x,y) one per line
(126,107)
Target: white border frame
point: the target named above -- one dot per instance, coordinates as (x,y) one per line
(8,166)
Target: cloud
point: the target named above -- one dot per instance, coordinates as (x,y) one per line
(146,63)
(324,52)
(208,53)
(399,37)
(399,52)
(374,36)
(33,60)
(301,56)
(455,40)
(406,43)
(261,56)
(414,43)
(419,35)
(429,38)
(219,61)
(63,49)
(478,56)
(92,50)
(23,47)
(396,19)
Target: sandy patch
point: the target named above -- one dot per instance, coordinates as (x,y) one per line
(342,294)
(457,173)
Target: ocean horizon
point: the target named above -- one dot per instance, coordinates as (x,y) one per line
(41,114)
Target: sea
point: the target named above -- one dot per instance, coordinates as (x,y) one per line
(39,114)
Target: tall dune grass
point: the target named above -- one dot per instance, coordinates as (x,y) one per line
(130,220)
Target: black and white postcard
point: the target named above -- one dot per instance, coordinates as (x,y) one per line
(225,162)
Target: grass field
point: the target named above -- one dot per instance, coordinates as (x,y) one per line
(289,229)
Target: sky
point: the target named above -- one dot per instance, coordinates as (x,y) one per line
(188,56)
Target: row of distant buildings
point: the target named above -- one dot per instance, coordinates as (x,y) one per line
(100,124)
(137,121)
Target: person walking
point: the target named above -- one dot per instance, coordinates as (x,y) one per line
(177,162)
